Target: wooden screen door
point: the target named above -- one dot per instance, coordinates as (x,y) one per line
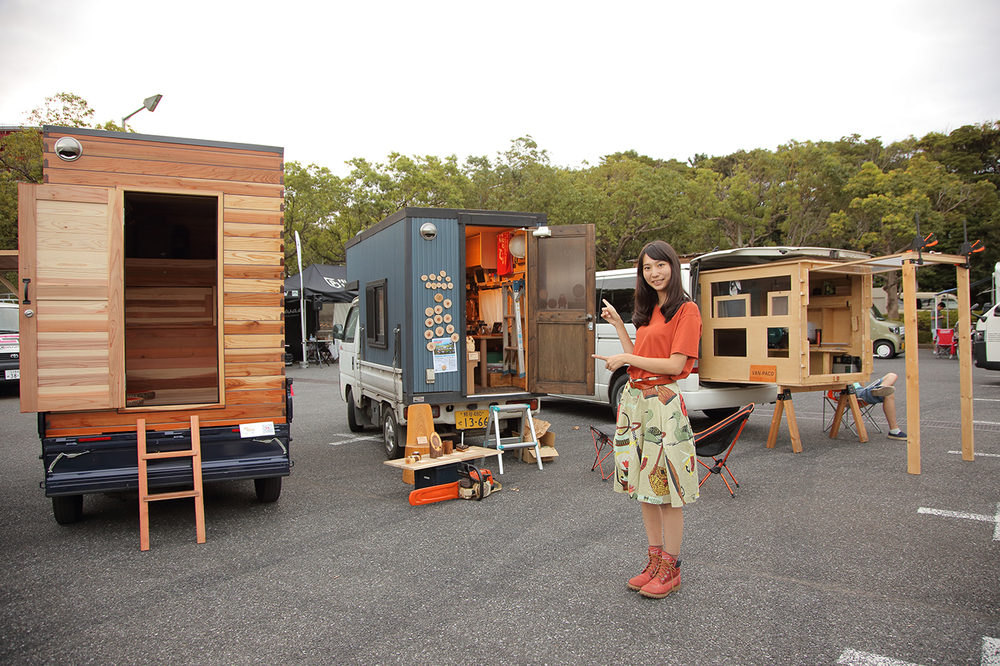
(561,302)
(72,337)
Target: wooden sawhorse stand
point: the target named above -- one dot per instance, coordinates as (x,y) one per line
(849,396)
(784,402)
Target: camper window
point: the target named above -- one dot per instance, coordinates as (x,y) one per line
(375,314)
(731,342)
(756,290)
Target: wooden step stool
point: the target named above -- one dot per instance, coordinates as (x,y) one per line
(145,497)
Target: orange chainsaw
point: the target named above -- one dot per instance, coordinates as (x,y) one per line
(473,483)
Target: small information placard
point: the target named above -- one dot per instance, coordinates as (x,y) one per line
(763,373)
(256,429)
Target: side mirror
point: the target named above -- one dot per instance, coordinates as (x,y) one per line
(338,332)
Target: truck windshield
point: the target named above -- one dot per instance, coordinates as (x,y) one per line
(9,318)
(877,314)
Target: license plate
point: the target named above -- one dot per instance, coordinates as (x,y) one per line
(12,374)
(469,420)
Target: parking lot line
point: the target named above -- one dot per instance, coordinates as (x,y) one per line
(995,519)
(855,658)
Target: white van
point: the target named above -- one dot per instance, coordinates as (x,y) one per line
(716,400)
(925,300)
(9,341)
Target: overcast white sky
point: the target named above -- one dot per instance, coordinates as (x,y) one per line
(334,80)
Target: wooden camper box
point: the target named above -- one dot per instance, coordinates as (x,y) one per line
(797,322)
(152,271)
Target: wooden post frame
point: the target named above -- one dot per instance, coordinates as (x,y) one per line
(912,368)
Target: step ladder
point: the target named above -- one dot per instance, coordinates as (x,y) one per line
(145,497)
(524,411)
(513,340)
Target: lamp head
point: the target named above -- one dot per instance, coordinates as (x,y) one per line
(151,102)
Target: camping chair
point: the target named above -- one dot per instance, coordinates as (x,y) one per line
(944,341)
(719,440)
(602,440)
(832,397)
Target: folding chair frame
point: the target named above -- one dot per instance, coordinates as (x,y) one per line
(866,412)
(719,466)
(602,440)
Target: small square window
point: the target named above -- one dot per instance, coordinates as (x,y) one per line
(375,314)
(731,342)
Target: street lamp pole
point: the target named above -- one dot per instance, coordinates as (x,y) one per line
(149,103)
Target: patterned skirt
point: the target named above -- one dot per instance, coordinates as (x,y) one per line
(654,447)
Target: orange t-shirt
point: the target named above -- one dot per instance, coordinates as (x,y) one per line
(663,339)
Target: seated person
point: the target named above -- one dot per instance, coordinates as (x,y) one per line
(883,391)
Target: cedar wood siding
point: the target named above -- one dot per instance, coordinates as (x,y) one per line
(251,179)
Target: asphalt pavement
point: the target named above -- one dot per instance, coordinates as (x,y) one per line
(833,555)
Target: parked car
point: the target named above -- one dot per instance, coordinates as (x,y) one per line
(717,400)
(887,336)
(10,347)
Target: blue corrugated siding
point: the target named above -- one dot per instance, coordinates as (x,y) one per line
(440,255)
(382,256)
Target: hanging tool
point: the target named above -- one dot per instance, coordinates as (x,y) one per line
(518,286)
(513,353)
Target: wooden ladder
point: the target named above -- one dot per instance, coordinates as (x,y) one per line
(145,497)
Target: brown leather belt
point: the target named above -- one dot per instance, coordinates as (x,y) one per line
(650,382)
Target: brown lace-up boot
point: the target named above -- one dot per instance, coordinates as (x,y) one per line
(636,582)
(666,579)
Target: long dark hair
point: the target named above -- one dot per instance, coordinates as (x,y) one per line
(646,297)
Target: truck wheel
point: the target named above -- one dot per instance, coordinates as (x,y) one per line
(393,435)
(353,422)
(268,490)
(884,349)
(67,508)
(616,393)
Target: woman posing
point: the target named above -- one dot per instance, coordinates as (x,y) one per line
(654,443)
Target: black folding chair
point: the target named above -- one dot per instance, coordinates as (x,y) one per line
(719,440)
(603,447)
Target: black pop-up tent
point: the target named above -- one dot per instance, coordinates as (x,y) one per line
(320,284)
(327,284)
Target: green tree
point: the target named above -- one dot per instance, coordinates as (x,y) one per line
(972,152)
(813,177)
(748,196)
(519,179)
(882,215)
(21,153)
(313,196)
(633,200)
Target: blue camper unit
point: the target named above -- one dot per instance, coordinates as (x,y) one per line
(454,307)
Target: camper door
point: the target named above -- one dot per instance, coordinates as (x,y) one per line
(72,350)
(561,314)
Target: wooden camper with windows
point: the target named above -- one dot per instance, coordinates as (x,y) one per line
(796,319)
(151,276)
